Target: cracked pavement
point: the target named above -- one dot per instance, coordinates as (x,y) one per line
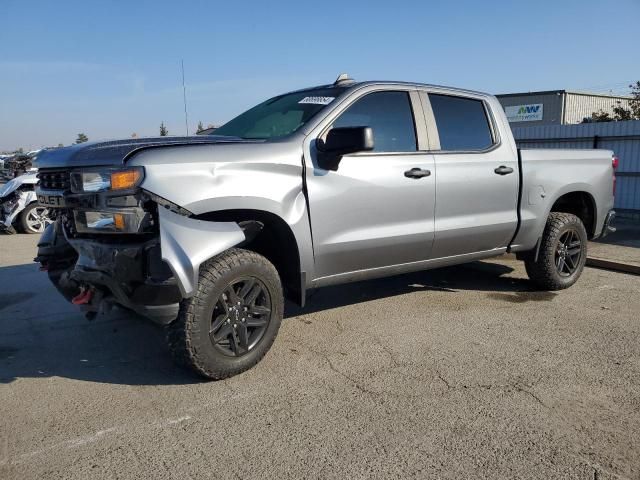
(454,373)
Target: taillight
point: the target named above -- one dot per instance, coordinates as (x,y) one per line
(614,164)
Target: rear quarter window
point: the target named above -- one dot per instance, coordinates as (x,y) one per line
(462,123)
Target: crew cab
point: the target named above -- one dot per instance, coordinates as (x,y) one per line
(331,184)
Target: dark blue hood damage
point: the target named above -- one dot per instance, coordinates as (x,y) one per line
(115,152)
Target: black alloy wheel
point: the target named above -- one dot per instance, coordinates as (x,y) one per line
(232,319)
(562,253)
(240,317)
(568,253)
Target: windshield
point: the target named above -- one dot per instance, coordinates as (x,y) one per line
(279,116)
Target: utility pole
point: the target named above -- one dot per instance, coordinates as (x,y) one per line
(184,98)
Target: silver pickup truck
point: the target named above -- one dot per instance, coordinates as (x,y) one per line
(337,183)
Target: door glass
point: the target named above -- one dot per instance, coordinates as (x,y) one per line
(462,123)
(390,117)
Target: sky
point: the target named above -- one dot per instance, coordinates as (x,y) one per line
(110,69)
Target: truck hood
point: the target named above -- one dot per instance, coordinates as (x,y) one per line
(115,152)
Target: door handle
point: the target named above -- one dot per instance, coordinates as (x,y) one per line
(502,170)
(417,173)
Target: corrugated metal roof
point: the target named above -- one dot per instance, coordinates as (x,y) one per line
(560,92)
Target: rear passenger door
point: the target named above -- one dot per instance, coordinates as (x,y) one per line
(476,176)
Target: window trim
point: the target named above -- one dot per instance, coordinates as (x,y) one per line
(432,126)
(419,130)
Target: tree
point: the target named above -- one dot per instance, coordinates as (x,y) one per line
(620,113)
(635,103)
(599,116)
(163,130)
(200,127)
(82,138)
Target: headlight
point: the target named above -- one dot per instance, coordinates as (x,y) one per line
(87,181)
(123,221)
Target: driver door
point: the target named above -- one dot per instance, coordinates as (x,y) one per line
(377,209)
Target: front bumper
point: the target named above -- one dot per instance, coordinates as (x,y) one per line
(149,276)
(132,275)
(129,274)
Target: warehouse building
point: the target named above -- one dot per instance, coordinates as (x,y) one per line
(556,107)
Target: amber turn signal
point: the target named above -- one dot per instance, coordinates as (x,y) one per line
(118,221)
(125,179)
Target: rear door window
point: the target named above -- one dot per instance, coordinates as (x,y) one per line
(462,123)
(389,115)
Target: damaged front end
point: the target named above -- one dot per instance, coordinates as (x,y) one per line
(114,243)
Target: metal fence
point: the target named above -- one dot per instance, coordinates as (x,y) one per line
(621,137)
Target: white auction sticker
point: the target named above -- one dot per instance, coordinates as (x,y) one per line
(317,100)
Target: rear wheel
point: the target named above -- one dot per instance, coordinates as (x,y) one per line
(562,254)
(233,318)
(34,218)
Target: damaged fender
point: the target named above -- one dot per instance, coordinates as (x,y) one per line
(185,243)
(24,199)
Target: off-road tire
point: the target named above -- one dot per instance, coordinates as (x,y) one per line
(188,336)
(544,271)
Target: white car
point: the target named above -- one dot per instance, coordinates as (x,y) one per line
(19,206)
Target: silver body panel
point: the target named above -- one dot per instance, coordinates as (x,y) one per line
(548,174)
(186,243)
(366,219)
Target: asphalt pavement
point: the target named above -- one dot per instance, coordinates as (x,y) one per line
(463,372)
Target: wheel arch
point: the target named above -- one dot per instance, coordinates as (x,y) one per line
(581,204)
(275,240)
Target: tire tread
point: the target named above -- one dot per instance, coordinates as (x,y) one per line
(182,330)
(543,271)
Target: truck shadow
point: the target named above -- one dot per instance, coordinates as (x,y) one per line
(485,276)
(42,336)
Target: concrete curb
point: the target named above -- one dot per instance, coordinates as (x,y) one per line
(612,265)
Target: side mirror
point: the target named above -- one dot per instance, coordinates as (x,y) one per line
(343,141)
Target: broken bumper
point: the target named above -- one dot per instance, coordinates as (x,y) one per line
(149,277)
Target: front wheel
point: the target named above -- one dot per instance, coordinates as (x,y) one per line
(34,218)
(562,254)
(233,318)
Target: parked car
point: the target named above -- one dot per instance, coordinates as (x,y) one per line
(19,208)
(331,184)
(19,164)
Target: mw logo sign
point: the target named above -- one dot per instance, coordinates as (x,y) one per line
(524,113)
(526,109)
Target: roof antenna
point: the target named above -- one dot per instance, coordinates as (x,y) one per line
(184,98)
(343,79)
